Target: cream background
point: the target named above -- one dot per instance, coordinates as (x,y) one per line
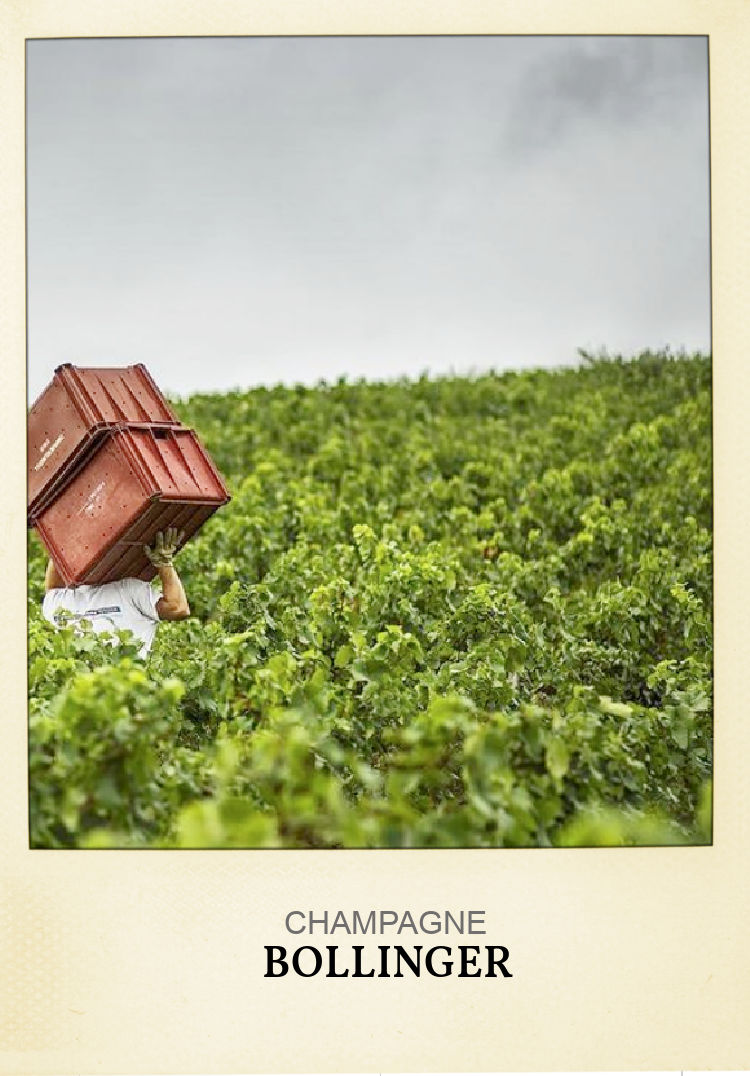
(152,961)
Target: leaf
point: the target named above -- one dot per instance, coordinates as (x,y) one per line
(344,655)
(617,709)
(557,758)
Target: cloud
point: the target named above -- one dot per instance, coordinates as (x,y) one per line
(231,211)
(583,82)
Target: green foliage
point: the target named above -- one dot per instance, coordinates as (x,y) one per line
(470,612)
(102,731)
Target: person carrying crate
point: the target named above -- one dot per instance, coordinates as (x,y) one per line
(128,603)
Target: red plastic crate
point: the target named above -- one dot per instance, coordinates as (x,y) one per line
(74,413)
(136,483)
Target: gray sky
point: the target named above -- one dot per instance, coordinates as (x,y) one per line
(245,211)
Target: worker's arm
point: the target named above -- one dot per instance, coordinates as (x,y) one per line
(172,605)
(52,578)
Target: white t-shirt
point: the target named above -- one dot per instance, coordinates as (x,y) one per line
(125,603)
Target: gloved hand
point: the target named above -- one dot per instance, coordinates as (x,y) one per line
(164,548)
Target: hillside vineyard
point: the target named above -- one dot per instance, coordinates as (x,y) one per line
(462,611)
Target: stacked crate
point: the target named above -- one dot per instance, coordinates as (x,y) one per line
(109,466)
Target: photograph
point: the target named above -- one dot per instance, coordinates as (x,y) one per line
(370,461)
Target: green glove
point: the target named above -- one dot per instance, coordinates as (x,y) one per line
(164,548)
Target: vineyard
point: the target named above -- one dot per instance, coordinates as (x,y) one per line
(447,612)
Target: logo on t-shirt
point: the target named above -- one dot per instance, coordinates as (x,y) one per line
(94,612)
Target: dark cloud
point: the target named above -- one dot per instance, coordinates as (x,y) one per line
(605,82)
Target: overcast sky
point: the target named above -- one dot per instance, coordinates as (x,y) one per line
(237,211)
